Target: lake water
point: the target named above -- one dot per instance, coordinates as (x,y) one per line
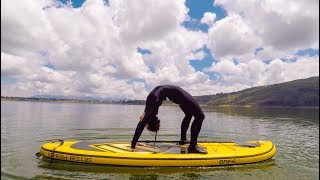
(25,126)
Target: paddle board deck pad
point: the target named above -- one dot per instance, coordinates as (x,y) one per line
(160,153)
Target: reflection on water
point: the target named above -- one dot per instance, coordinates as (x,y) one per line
(25,126)
(67,166)
(100,171)
(310,114)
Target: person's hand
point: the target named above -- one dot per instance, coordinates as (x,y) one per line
(131,148)
(142,116)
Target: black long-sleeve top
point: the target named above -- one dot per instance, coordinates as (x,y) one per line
(154,101)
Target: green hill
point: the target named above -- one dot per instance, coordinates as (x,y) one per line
(297,93)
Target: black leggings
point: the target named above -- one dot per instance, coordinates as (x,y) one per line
(189,111)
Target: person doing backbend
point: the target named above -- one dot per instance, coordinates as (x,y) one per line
(187,103)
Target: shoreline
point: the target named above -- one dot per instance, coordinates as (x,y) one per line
(140,103)
(71,101)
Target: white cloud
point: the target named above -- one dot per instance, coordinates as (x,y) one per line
(279,71)
(12,65)
(170,57)
(283,25)
(52,48)
(95,46)
(256,73)
(208,18)
(24,28)
(280,28)
(231,37)
(147,19)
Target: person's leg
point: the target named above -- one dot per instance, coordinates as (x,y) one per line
(195,130)
(196,127)
(185,123)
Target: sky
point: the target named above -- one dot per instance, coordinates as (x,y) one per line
(123,48)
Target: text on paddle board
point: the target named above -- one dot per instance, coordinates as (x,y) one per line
(70,157)
(227,161)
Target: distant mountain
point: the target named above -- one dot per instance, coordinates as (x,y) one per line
(297,93)
(83,98)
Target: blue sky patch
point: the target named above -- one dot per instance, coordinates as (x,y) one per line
(206,62)
(196,9)
(235,61)
(200,64)
(257,50)
(50,66)
(75,3)
(308,52)
(143,51)
(78,3)
(288,60)
(213,75)
(267,61)
(195,25)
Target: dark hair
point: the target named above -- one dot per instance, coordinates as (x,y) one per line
(154,124)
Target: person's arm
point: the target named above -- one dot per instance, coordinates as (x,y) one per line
(145,118)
